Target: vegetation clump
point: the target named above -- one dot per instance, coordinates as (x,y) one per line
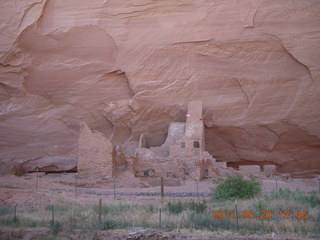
(4,210)
(198,207)
(174,207)
(55,227)
(308,199)
(108,224)
(236,187)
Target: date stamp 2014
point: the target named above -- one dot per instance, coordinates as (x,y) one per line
(300,214)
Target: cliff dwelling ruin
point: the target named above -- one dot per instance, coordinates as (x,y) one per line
(182,156)
(129,76)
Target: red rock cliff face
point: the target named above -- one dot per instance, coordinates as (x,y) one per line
(131,67)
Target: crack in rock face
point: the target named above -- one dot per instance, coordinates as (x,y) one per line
(131,68)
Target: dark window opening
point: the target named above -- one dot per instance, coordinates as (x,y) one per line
(206,173)
(183,144)
(148,172)
(196,144)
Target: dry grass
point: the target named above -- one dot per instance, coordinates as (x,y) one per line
(71,215)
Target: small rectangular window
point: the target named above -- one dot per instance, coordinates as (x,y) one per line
(196,144)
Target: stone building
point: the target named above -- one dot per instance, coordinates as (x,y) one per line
(182,155)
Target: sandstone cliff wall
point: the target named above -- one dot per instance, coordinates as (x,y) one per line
(128,68)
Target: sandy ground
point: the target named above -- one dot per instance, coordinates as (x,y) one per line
(25,190)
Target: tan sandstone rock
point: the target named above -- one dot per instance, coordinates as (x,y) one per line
(95,154)
(250,170)
(127,68)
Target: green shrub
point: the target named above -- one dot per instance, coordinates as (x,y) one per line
(58,208)
(200,221)
(4,210)
(311,199)
(236,187)
(115,209)
(174,207)
(16,221)
(105,209)
(150,208)
(55,227)
(32,224)
(198,207)
(260,205)
(169,225)
(107,224)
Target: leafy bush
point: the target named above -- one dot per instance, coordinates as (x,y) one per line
(236,187)
(198,207)
(174,207)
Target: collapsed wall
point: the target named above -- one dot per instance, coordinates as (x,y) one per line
(183,154)
(95,154)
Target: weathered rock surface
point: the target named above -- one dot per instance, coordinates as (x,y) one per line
(95,154)
(128,68)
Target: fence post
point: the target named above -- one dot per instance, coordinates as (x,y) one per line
(237,215)
(197,181)
(160,217)
(318,178)
(37,176)
(100,210)
(75,186)
(15,219)
(162,190)
(114,187)
(52,214)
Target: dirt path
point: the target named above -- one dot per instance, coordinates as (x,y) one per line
(27,190)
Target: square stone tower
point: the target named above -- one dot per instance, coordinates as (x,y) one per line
(194,135)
